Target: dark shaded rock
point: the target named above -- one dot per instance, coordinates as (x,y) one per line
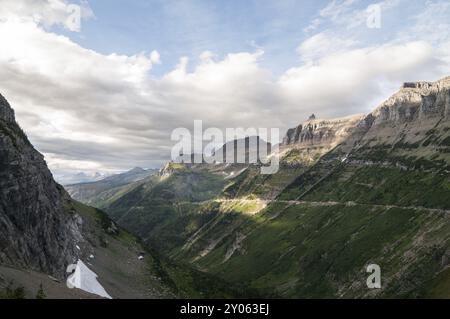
(35,230)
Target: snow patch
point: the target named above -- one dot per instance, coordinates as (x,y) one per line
(85,279)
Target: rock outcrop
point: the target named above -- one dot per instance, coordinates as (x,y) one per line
(416,115)
(321,132)
(409,114)
(415,101)
(36,231)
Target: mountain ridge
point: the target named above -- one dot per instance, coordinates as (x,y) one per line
(106,187)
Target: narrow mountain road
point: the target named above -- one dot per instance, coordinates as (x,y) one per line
(351,203)
(264,203)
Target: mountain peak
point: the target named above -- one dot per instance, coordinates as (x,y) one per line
(6,112)
(416,100)
(136,170)
(425,85)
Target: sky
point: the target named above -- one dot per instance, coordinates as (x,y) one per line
(103,95)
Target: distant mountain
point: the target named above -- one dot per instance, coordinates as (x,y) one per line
(360,190)
(94,193)
(242,150)
(80,177)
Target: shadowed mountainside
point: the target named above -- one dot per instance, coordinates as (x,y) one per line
(43,230)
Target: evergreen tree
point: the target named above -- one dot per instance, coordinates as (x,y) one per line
(40,294)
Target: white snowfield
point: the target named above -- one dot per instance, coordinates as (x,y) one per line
(85,279)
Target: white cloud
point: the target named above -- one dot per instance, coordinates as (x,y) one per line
(207,56)
(347,15)
(336,8)
(95,112)
(155,58)
(437,32)
(313,25)
(346,81)
(47,12)
(106,110)
(321,44)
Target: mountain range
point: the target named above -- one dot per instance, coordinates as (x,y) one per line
(78,178)
(353,191)
(98,191)
(350,192)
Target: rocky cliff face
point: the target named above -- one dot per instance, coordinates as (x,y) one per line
(415,101)
(306,143)
(417,115)
(35,230)
(408,115)
(321,132)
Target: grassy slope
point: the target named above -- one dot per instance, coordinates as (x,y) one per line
(165,212)
(439,287)
(251,182)
(313,250)
(321,251)
(119,270)
(156,277)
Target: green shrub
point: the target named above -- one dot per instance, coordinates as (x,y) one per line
(11,292)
